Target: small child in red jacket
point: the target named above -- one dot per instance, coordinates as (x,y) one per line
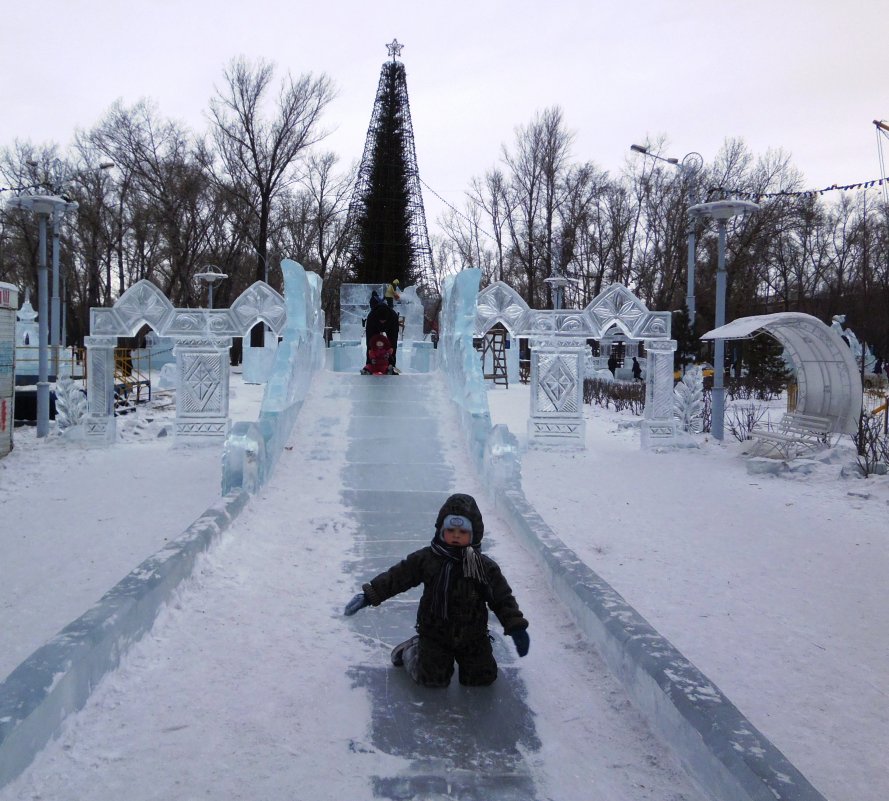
(378,357)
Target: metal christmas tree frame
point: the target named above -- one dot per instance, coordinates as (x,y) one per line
(390,137)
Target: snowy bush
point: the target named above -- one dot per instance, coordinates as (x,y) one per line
(742,419)
(622,395)
(751,387)
(872,444)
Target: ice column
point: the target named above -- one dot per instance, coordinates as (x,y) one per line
(557,392)
(100,425)
(658,425)
(202,394)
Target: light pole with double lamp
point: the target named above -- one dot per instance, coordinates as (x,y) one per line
(689,167)
(58,188)
(211,275)
(721,211)
(44,206)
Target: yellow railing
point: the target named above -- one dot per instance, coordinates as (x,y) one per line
(27,361)
(130,380)
(876,403)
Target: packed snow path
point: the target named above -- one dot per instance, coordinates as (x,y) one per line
(252,685)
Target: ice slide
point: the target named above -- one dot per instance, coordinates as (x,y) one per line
(252,684)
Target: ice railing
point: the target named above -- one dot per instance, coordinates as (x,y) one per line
(494,449)
(252,448)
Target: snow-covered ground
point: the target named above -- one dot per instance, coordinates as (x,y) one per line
(77,519)
(774,586)
(249,684)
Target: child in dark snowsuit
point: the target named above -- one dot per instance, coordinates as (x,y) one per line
(459,584)
(378,356)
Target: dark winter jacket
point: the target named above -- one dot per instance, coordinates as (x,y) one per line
(468,599)
(382,320)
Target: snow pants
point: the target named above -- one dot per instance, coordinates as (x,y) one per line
(430,660)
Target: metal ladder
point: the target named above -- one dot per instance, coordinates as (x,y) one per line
(494,342)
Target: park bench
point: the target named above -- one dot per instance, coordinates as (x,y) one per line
(794,435)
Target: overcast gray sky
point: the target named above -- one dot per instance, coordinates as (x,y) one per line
(808,76)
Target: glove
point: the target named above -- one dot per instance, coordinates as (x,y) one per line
(358,602)
(522,641)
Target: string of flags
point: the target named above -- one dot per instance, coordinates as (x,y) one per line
(459,213)
(21,188)
(757,196)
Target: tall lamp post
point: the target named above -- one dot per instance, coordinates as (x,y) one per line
(211,275)
(44,206)
(55,328)
(557,281)
(689,168)
(57,188)
(721,211)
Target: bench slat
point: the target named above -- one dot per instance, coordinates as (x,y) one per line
(794,432)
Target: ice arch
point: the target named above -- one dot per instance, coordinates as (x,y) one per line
(829,380)
(558,347)
(202,338)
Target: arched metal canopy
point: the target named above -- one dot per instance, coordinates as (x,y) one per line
(829,381)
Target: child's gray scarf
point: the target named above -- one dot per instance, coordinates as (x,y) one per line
(473,568)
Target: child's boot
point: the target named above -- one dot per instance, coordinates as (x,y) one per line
(398,651)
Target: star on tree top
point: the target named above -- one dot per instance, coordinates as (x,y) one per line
(395,48)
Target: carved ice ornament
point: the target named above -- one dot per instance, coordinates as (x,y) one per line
(570,323)
(655,326)
(616,306)
(143,303)
(260,302)
(499,302)
(199,322)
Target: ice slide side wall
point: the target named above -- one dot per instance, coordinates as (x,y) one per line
(57,679)
(720,748)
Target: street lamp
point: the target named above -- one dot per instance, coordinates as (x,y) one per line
(43,206)
(58,188)
(55,336)
(721,211)
(557,281)
(689,167)
(265,264)
(211,275)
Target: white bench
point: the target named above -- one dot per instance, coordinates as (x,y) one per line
(794,435)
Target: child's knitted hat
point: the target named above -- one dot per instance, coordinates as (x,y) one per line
(463,506)
(457,521)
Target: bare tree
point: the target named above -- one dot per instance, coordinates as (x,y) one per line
(534,193)
(490,196)
(329,194)
(164,192)
(258,156)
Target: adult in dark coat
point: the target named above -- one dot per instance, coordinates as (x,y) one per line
(382,320)
(637,370)
(459,585)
